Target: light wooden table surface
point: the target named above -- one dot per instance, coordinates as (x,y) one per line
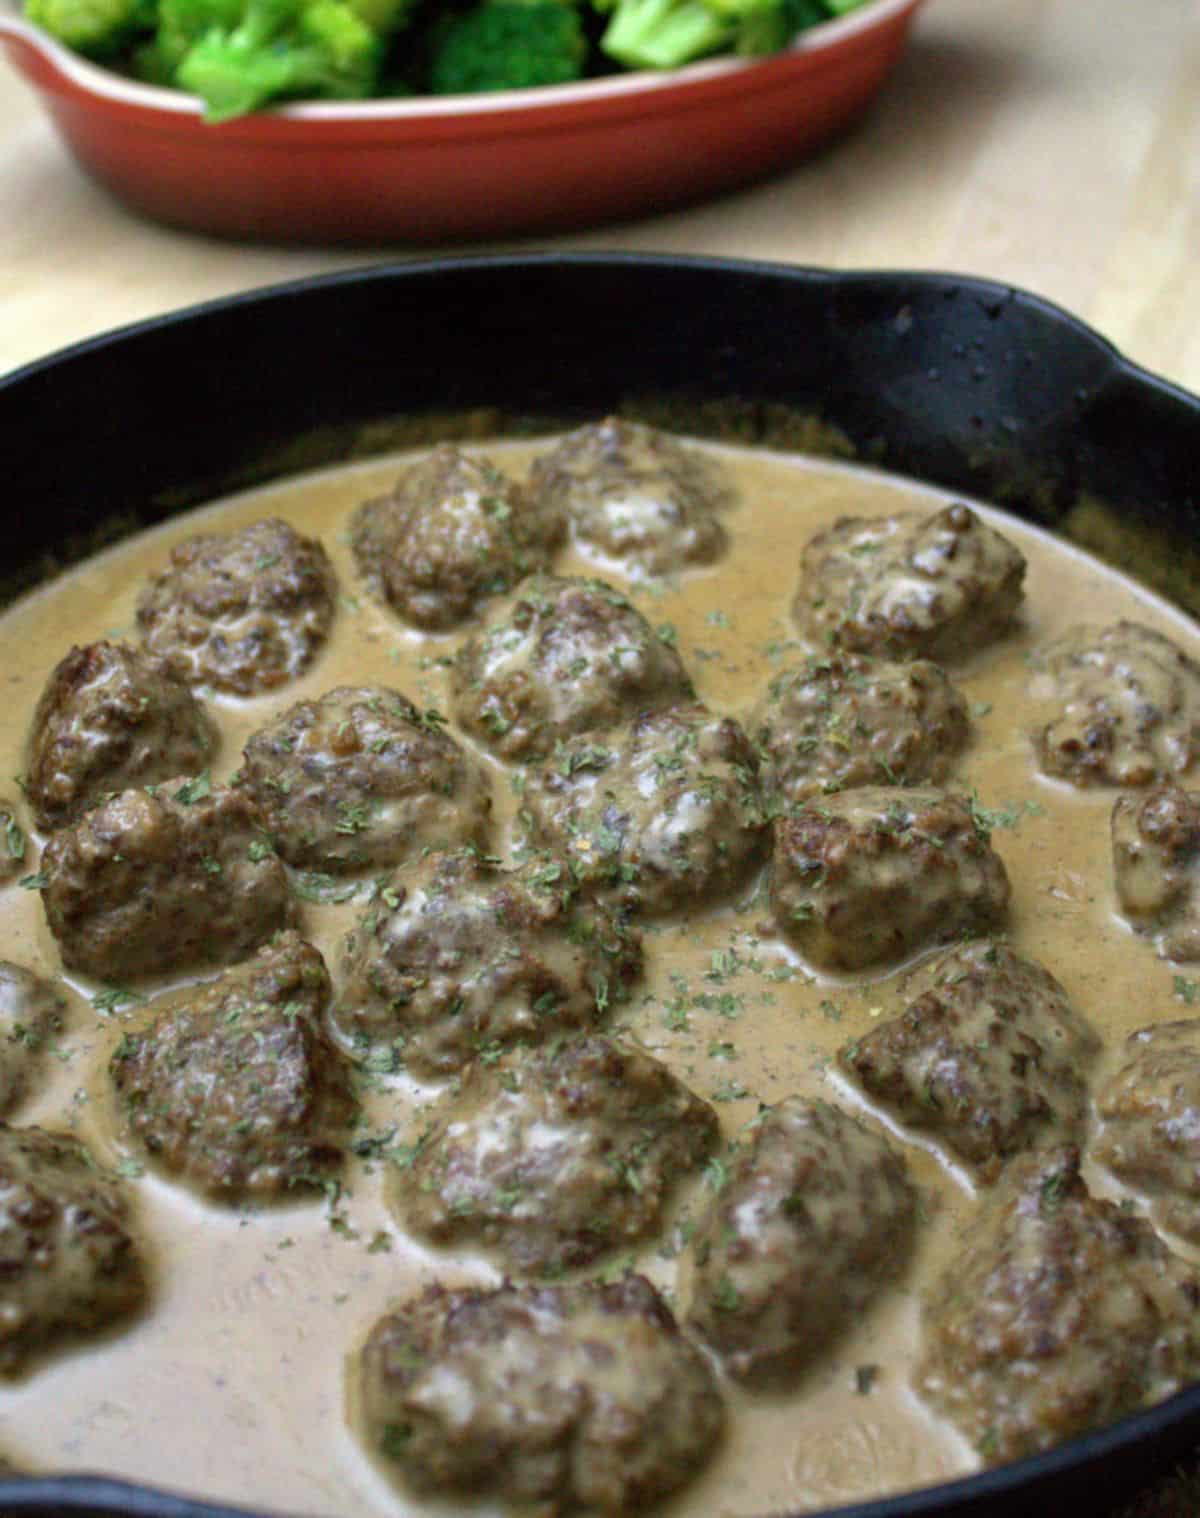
(1052,144)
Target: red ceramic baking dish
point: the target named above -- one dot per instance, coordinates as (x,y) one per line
(559,157)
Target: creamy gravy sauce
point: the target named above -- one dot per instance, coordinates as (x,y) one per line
(233,1385)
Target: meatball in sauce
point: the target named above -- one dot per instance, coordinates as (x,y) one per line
(609,1158)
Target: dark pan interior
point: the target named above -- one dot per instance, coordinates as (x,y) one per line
(965,383)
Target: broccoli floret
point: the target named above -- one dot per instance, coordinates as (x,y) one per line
(507,45)
(762,29)
(663,34)
(181,24)
(281,49)
(99,28)
(387,16)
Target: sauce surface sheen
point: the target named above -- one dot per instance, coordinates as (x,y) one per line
(232,1385)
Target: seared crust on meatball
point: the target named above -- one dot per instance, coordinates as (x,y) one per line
(363,778)
(636,494)
(457,957)
(841,720)
(233,1086)
(552,1157)
(245,611)
(68,1265)
(662,813)
(1150,1109)
(109,718)
(453,531)
(874,874)
(31,1013)
(936,585)
(1156,867)
(167,878)
(561,657)
(816,1213)
(1060,1314)
(1123,703)
(989,1057)
(577,1396)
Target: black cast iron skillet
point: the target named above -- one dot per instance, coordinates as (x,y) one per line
(964,383)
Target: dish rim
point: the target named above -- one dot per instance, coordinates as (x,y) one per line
(115,89)
(1169,1427)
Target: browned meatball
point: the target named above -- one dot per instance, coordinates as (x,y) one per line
(109,718)
(551,1157)
(453,532)
(558,658)
(1060,1314)
(1156,867)
(664,813)
(457,957)
(14,846)
(170,877)
(842,720)
(68,1265)
(583,1395)
(1122,706)
(361,777)
(233,1086)
(989,1057)
(1150,1110)
(636,494)
(31,1013)
(245,611)
(874,874)
(816,1212)
(936,585)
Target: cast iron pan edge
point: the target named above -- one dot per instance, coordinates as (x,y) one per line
(963,382)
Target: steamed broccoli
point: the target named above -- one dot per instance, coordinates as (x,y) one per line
(508,45)
(239,55)
(279,50)
(663,34)
(181,24)
(99,28)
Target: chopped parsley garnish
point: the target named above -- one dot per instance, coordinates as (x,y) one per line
(194,790)
(323,889)
(113,997)
(14,839)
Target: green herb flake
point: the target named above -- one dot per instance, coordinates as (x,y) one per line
(726,1296)
(323,889)
(730,1091)
(716,1173)
(113,997)
(393,1442)
(14,839)
(194,790)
